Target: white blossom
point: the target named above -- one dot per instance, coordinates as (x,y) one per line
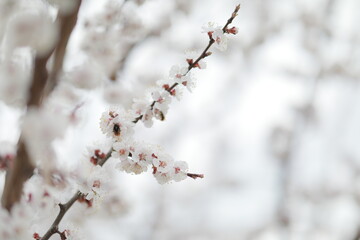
(178,74)
(220,39)
(40,128)
(180,169)
(90,179)
(121,150)
(147,117)
(161,105)
(117,124)
(136,157)
(86,76)
(142,108)
(163,168)
(138,160)
(181,76)
(217,34)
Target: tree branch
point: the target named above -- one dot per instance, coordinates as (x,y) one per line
(63,209)
(203,55)
(16,176)
(23,168)
(67,24)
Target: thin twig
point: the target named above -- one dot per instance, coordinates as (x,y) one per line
(195,175)
(203,55)
(63,209)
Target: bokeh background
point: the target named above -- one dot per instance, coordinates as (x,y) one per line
(273,123)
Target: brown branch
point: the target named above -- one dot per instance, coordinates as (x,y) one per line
(67,24)
(195,175)
(16,176)
(233,15)
(40,76)
(23,168)
(357,235)
(203,55)
(63,209)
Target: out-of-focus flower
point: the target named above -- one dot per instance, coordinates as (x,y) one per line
(32,29)
(17,224)
(14,82)
(86,76)
(40,128)
(103,48)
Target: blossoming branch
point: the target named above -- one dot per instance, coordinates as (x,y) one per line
(48,185)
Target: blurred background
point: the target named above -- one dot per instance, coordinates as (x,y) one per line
(273,123)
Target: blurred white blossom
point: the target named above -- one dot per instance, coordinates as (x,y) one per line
(32,29)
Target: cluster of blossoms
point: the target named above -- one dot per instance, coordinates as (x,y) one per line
(107,34)
(179,78)
(136,157)
(161,96)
